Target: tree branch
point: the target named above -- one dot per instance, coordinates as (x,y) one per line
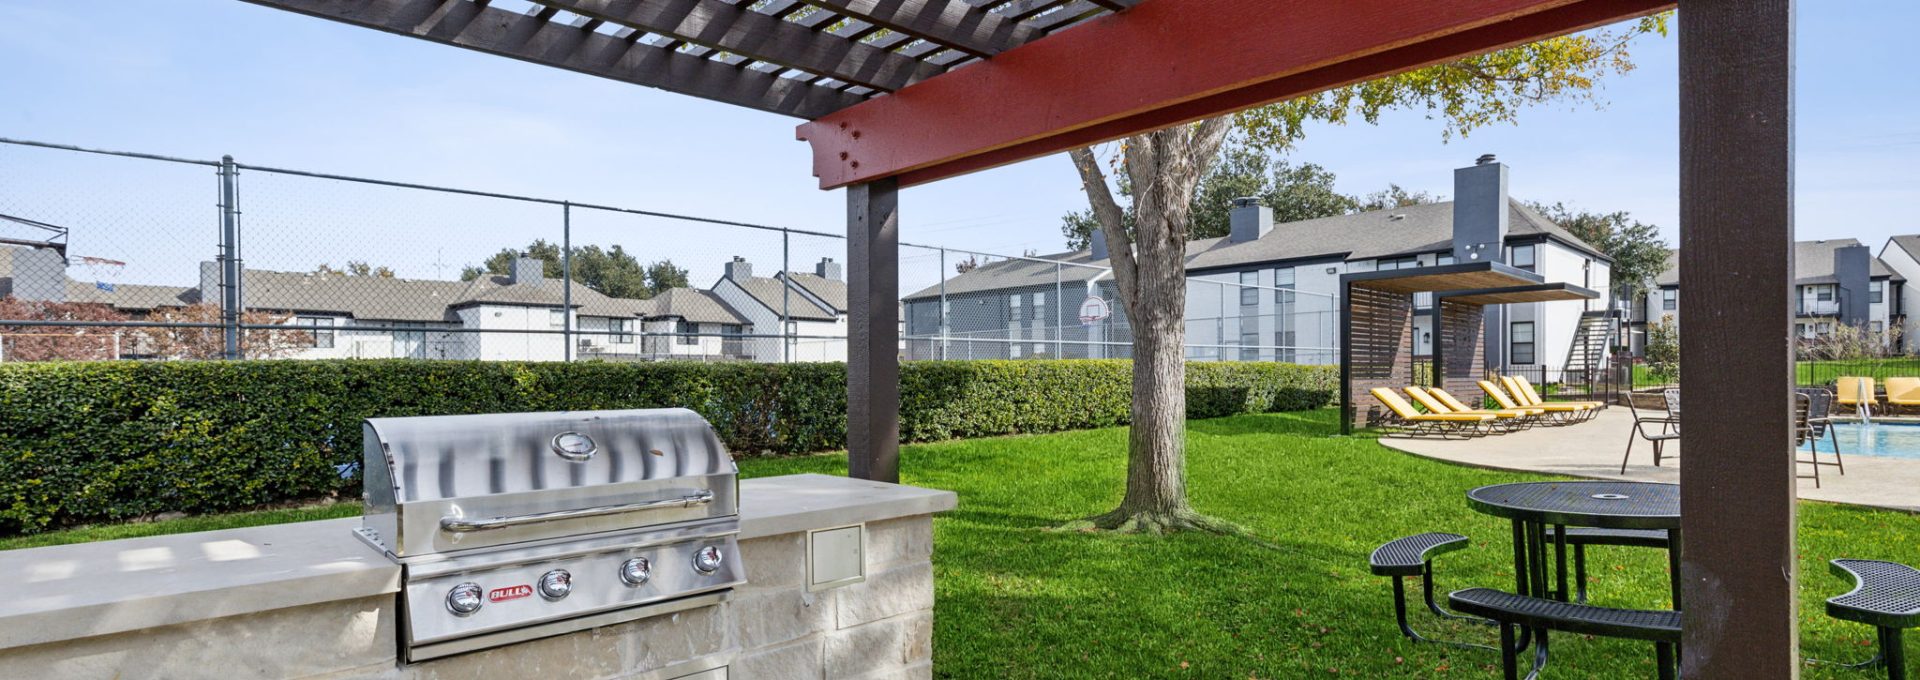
(1112,221)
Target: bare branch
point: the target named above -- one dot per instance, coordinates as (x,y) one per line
(1111,218)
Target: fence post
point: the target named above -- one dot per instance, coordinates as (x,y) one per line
(566,280)
(1059,322)
(786,297)
(229,260)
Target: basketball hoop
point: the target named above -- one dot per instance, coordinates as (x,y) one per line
(1094,311)
(104,272)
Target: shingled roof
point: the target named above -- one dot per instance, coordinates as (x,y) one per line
(1812,264)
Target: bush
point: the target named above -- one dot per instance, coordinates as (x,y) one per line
(112,440)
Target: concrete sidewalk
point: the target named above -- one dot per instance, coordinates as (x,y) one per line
(1593,449)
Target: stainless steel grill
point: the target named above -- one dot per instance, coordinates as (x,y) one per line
(511,527)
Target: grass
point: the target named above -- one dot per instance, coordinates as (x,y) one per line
(109,532)
(1017,599)
(1816,373)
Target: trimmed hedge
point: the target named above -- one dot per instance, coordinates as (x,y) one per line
(112,440)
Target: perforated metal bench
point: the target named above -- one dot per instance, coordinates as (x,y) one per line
(1413,556)
(1885,595)
(1581,537)
(1661,627)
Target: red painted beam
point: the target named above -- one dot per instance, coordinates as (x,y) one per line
(1162,63)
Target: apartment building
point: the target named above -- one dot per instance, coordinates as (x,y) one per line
(1836,282)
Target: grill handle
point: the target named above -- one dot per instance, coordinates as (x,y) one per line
(461,525)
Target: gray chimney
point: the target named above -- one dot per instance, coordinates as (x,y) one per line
(210,283)
(1852,265)
(827,269)
(39,275)
(1249,220)
(739,269)
(1480,211)
(1099,243)
(527,270)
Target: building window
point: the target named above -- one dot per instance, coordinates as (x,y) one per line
(322,339)
(1444,259)
(1823,328)
(1669,299)
(1013,307)
(557,318)
(1800,329)
(1249,289)
(1039,308)
(1285,340)
(1520,343)
(1013,351)
(1385,264)
(1283,280)
(1877,292)
(686,330)
(1523,258)
(622,331)
(1823,293)
(1877,327)
(1249,346)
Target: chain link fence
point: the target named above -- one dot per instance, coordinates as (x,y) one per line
(115,255)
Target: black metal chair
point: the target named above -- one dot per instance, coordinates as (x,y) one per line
(1802,434)
(1885,595)
(1413,556)
(1820,425)
(1661,627)
(1657,430)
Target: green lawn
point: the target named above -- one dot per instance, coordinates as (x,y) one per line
(1018,600)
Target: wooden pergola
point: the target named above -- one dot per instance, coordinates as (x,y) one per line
(902,92)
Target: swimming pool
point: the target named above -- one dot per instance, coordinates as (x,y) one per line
(1893,440)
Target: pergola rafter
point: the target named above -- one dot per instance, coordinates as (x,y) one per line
(954,24)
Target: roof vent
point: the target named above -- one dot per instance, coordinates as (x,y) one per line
(1484,159)
(1396,217)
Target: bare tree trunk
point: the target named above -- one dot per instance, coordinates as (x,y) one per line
(1149,267)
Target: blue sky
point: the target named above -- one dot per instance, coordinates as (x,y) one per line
(201,78)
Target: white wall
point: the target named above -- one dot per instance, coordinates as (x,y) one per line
(1908,268)
(514,346)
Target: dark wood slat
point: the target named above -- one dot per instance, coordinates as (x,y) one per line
(761,37)
(952,23)
(528,38)
(1737,556)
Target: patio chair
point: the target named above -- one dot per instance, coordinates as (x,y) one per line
(1550,415)
(1402,420)
(1533,395)
(1885,595)
(1565,413)
(1671,395)
(1531,415)
(1802,433)
(1903,394)
(1504,420)
(1820,425)
(1854,392)
(1656,430)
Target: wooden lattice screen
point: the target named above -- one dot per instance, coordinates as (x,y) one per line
(1379,346)
(1460,350)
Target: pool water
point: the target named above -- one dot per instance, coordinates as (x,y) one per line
(1893,440)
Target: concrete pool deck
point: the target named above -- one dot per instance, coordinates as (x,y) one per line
(1593,450)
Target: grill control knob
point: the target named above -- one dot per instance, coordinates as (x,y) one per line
(636,571)
(707,560)
(464,599)
(556,584)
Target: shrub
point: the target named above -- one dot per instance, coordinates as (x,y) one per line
(112,440)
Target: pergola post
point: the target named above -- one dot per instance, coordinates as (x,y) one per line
(1736,264)
(873,330)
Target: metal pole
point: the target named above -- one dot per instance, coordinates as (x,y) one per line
(1059,324)
(786,297)
(229,262)
(566,281)
(944,329)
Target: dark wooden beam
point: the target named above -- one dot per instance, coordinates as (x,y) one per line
(533,39)
(760,36)
(1163,63)
(952,23)
(873,330)
(1736,263)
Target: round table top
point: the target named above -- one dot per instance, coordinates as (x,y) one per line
(1612,505)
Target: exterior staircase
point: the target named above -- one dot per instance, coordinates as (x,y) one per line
(1587,354)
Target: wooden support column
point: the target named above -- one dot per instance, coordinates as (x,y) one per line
(1736,265)
(873,330)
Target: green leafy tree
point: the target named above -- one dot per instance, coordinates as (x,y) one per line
(1294,192)
(354,268)
(1394,196)
(1663,349)
(1638,251)
(1161,170)
(663,276)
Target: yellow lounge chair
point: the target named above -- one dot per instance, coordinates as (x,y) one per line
(1563,413)
(1533,395)
(1903,393)
(1509,419)
(1402,419)
(1854,392)
(1531,414)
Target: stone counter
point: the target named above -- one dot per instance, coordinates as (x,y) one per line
(309,600)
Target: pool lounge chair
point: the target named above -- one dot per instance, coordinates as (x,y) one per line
(1402,420)
(1903,394)
(1561,413)
(1533,395)
(1436,400)
(1851,392)
(1549,416)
